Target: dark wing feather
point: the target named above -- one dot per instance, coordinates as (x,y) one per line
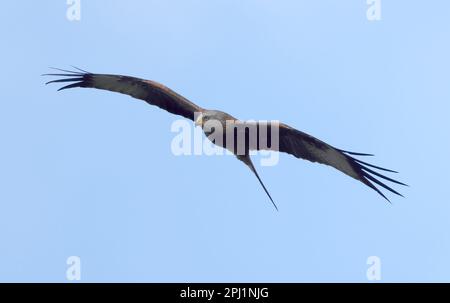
(149,91)
(302,145)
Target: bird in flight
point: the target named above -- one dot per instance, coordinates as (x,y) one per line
(290,140)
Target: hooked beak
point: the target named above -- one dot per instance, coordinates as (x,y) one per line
(199,120)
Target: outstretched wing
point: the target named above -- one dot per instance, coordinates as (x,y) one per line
(304,146)
(151,92)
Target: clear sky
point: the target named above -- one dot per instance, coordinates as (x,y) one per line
(90,173)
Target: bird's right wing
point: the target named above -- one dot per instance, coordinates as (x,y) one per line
(152,92)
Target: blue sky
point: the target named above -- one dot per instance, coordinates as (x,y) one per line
(90,173)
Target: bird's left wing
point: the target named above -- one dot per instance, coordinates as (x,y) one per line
(304,146)
(150,91)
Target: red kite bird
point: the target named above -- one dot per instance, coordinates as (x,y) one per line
(291,140)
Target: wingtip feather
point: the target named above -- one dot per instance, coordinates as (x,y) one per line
(77,84)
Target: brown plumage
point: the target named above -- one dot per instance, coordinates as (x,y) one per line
(291,140)
(152,92)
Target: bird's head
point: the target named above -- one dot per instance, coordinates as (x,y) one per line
(211,115)
(205,116)
(199,120)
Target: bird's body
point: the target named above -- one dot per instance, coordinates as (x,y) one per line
(287,139)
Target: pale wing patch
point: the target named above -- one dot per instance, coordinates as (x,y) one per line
(119,84)
(332,157)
